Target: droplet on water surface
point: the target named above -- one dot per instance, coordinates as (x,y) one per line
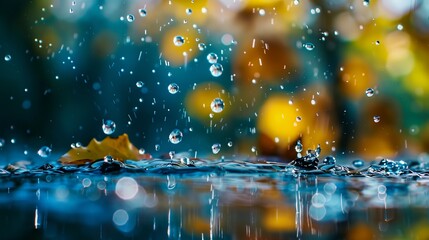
(212,58)
(369,92)
(173,88)
(217,105)
(109,127)
(108,159)
(329,160)
(216,148)
(178,40)
(298,146)
(175,136)
(216,69)
(44,151)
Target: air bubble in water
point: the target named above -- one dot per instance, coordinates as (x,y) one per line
(216,69)
(44,151)
(130,18)
(139,84)
(109,127)
(376,119)
(7,58)
(142,12)
(173,88)
(216,148)
(365,3)
(369,92)
(309,46)
(175,136)
(212,58)
(358,163)
(178,40)
(298,146)
(217,105)
(201,46)
(188,11)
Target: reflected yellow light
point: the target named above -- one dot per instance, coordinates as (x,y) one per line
(279,219)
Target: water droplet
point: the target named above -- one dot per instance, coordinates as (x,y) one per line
(188,11)
(108,159)
(173,88)
(377,42)
(201,46)
(298,146)
(313,102)
(230,144)
(365,3)
(178,40)
(2,142)
(109,127)
(369,92)
(157,147)
(142,151)
(377,119)
(217,105)
(171,154)
(142,12)
(318,150)
(253,149)
(298,118)
(261,12)
(216,148)
(171,182)
(44,151)
(216,69)
(130,18)
(358,163)
(296,2)
(7,58)
(400,27)
(212,58)
(139,84)
(78,144)
(175,136)
(329,160)
(309,46)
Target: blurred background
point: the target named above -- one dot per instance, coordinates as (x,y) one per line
(348,75)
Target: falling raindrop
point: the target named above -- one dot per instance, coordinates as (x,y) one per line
(142,12)
(230,144)
(7,58)
(175,136)
(358,163)
(201,46)
(376,119)
(217,105)
(309,46)
(188,11)
(216,69)
(178,40)
(298,118)
(139,84)
(142,151)
(130,18)
(44,151)
(216,148)
(109,127)
(2,142)
(365,3)
(212,58)
(369,92)
(298,146)
(261,12)
(173,88)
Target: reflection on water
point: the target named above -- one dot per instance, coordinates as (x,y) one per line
(211,200)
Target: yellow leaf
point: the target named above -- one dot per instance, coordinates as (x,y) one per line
(120,148)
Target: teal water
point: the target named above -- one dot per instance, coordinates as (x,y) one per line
(207,199)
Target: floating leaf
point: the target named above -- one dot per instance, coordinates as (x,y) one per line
(120,148)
